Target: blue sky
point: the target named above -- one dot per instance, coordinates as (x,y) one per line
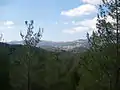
(62,20)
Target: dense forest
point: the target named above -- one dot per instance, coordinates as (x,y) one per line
(27,67)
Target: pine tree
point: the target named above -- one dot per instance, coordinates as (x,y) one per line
(106,39)
(31,39)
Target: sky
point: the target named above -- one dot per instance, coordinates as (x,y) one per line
(62,20)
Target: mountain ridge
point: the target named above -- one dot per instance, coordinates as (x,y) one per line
(64,45)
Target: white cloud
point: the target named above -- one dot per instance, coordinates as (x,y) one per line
(87,25)
(6,27)
(94,2)
(91,23)
(65,22)
(82,26)
(10,27)
(8,23)
(84,9)
(75,30)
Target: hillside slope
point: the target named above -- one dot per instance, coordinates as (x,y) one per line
(49,70)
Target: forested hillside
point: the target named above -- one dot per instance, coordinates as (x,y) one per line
(49,70)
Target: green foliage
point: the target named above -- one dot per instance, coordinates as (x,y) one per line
(47,72)
(100,64)
(4,68)
(31,38)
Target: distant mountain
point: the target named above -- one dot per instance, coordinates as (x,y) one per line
(50,45)
(15,42)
